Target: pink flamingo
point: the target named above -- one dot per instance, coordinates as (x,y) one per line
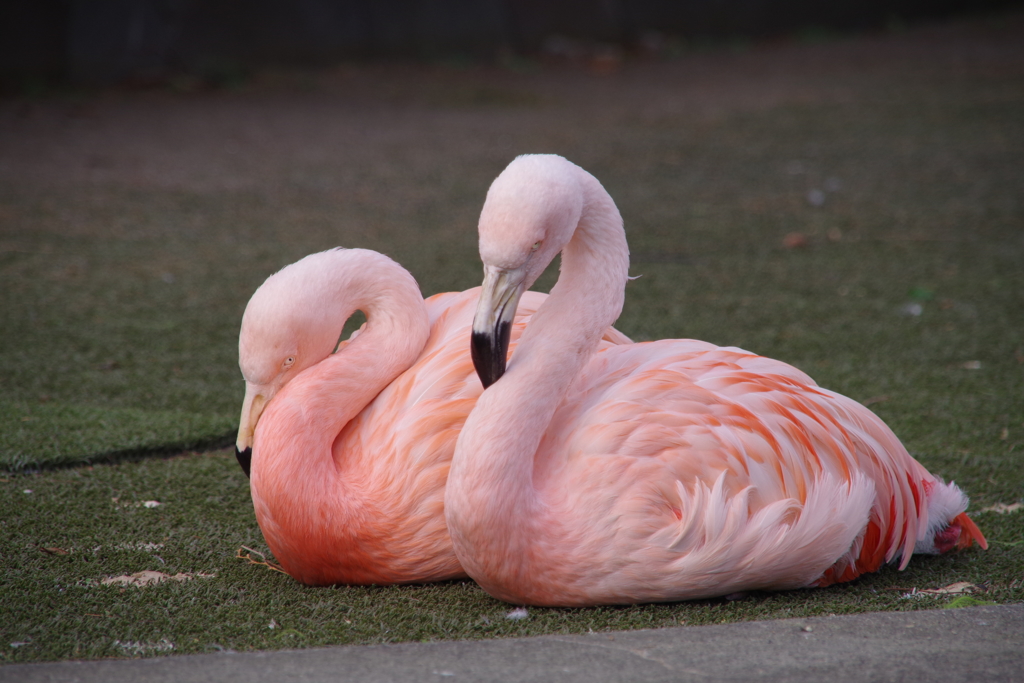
(350,449)
(657,471)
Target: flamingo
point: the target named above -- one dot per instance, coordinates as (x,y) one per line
(349,450)
(659,471)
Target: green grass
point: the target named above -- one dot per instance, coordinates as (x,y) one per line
(134,227)
(52,602)
(75,433)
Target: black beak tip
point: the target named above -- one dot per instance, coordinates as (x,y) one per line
(480,348)
(244,459)
(489,353)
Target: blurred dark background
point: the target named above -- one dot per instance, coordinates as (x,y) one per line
(95,42)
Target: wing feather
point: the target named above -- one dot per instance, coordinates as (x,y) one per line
(725,458)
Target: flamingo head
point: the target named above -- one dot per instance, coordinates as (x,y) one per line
(530,214)
(287,327)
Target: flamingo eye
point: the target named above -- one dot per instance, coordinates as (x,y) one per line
(535,247)
(289,361)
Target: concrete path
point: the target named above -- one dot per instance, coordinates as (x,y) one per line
(972,645)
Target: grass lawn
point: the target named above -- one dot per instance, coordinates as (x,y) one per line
(853,207)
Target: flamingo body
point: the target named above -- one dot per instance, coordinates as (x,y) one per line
(665,470)
(351,454)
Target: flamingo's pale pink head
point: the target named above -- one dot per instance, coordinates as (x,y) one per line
(530,214)
(290,324)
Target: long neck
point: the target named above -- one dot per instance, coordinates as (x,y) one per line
(491,487)
(298,487)
(586,300)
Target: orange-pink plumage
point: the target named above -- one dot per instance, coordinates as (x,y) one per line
(664,470)
(351,449)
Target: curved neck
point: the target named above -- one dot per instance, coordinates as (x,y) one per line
(295,479)
(586,300)
(491,481)
(337,388)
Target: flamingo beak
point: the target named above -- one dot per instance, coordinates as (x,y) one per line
(492,325)
(244,459)
(252,407)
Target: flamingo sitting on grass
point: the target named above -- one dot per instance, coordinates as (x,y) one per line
(657,471)
(349,450)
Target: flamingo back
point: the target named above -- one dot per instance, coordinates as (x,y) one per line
(713,467)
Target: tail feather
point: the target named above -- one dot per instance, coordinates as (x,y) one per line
(969,532)
(948,527)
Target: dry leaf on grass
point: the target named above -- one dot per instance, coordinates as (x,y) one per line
(137,647)
(150,577)
(958,587)
(54,550)
(136,504)
(1003,508)
(795,240)
(264,562)
(139,545)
